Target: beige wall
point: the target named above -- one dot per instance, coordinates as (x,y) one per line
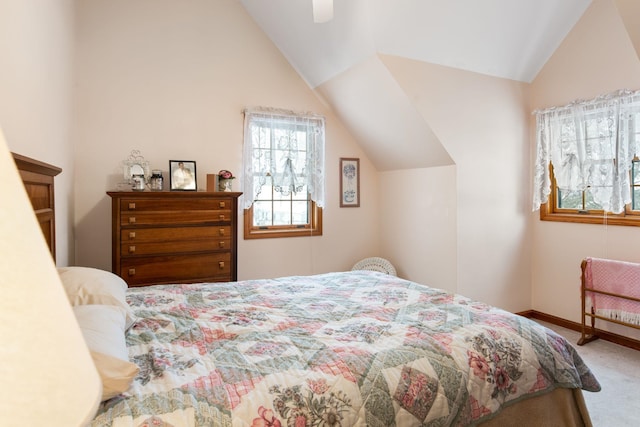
(597,57)
(418,224)
(170,78)
(483,124)
(36,42)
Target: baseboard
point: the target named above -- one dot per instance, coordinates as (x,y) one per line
(575,326)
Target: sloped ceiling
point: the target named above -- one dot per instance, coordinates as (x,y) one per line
(509,39)
(630,13)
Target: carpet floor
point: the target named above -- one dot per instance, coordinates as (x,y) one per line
(617,368)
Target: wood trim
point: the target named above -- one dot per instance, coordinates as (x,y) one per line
(549,213)
(313,229)
(25,163)
(576,326)
(609,219)
(38,180)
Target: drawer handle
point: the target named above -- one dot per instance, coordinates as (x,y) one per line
(221,264)
(132,249)
(132,234)
(132,272)
(222,244)
(221,231)
(221,217)
(222,205)
(132,220)
(132,206)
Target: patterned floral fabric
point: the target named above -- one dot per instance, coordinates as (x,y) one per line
(357,348)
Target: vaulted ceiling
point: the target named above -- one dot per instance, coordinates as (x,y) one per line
(510,39)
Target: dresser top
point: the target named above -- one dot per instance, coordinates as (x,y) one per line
(174,194)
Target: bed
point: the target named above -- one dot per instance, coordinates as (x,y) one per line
(349,348)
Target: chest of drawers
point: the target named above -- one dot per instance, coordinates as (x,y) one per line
(174,237)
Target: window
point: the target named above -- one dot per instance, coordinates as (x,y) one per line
(283,174)
(586,165)
(579,206)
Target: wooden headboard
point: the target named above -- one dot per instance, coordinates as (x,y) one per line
(38,177)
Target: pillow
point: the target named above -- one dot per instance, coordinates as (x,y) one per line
(103,329)
(86,285)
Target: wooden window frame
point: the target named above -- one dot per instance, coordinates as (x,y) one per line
(550,212)
(313,224)
(312,228)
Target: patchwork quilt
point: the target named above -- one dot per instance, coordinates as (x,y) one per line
(339,349)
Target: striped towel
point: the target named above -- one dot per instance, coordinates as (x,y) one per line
(618,277)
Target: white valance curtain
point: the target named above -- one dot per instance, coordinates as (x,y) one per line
(591,145)
(285,148)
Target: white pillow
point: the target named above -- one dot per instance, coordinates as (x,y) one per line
(86,285)
(103,329)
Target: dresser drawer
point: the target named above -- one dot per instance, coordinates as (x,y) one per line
(180,246)
(138,271)
(146,218)
(153,241)
(172,234)
(144,204)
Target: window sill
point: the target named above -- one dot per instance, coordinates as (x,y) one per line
(267,234)
(308,230)
(612,219)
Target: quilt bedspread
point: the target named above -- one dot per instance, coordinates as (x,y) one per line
(338,349)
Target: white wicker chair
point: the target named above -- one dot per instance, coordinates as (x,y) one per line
(375,264)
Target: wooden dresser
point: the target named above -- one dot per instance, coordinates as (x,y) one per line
(174,237)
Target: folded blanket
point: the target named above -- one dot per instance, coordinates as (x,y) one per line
(617,277)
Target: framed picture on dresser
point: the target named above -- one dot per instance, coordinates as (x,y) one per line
(182,175)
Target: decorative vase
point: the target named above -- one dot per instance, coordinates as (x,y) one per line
(225,184)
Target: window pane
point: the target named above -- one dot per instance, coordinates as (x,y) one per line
(635,170)
(569,199)
(262,138)
(265,190)
(303,194)
(262,214)
(261,157)
(279,196)
(300,212)
(281,213)
(635,204)
(590,204)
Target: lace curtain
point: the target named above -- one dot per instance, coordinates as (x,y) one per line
(285,149)
(591,145)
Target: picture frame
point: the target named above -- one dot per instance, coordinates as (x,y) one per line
(135,164)
(349,182)
(182,175)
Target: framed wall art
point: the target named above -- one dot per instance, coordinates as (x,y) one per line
(182,175)
(349,182)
